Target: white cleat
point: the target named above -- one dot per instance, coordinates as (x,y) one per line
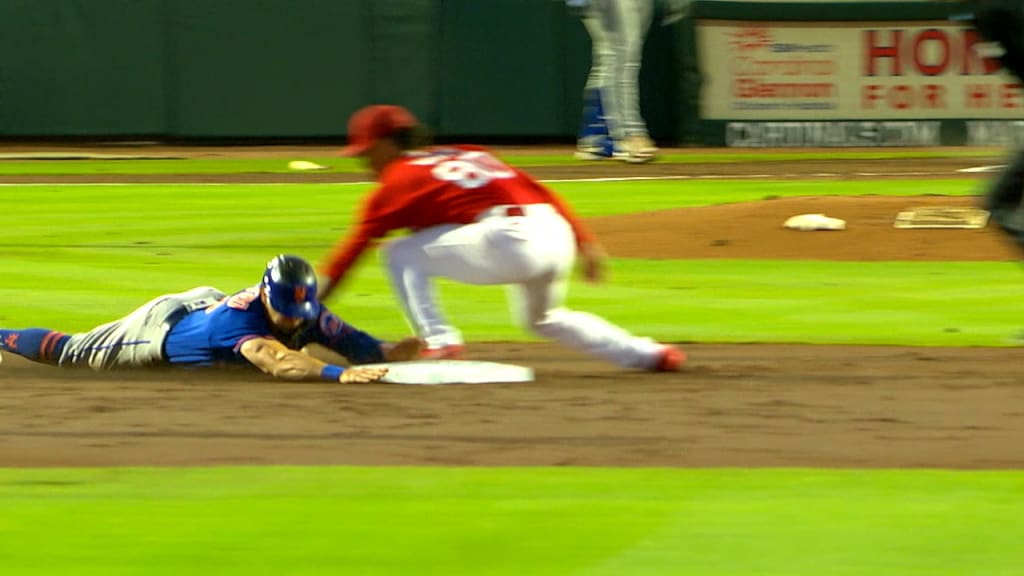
(636,150)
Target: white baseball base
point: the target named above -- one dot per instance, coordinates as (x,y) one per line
(433,372)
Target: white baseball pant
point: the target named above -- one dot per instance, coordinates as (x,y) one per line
(532,253)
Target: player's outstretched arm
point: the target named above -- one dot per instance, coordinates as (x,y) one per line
(276,359)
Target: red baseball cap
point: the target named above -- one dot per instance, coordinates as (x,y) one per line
(374,122)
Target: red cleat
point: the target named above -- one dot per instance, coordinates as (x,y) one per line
(670,359)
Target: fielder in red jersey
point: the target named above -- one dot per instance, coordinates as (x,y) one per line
(476,220)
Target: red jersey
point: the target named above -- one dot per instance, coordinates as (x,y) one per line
(429,188)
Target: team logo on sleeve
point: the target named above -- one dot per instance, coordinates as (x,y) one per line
(331,325)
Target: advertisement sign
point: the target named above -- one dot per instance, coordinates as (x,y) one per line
(749,134)
(849,83)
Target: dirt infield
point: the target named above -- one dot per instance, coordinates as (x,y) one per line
(742,405)
(755,405)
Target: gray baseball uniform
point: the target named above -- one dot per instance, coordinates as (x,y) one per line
(617,30)
(137,339)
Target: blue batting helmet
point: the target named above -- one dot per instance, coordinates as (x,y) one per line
(290,284)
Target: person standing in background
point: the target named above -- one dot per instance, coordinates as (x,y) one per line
(1001,22)
(612,126)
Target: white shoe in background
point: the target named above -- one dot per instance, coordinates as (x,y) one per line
(636,149)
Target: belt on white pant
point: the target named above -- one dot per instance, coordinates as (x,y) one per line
(514,210)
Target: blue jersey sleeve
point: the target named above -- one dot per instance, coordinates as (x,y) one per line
(332,332)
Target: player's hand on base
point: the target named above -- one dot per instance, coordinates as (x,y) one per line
(405,349)
(362,374)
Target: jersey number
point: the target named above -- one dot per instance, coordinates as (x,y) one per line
(469,169)
(242,300)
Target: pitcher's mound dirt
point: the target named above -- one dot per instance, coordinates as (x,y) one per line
(755,230)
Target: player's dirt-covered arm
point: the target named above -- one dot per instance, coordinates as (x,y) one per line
(276,359)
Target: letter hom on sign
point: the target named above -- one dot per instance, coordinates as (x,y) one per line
(929,52)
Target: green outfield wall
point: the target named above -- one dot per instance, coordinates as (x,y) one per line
(195,69)
(281,68)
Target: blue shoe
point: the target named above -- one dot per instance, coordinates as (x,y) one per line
(593,142)
(594,148)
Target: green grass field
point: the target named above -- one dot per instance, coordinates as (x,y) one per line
(75,256)
(510,521)
(336,163)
